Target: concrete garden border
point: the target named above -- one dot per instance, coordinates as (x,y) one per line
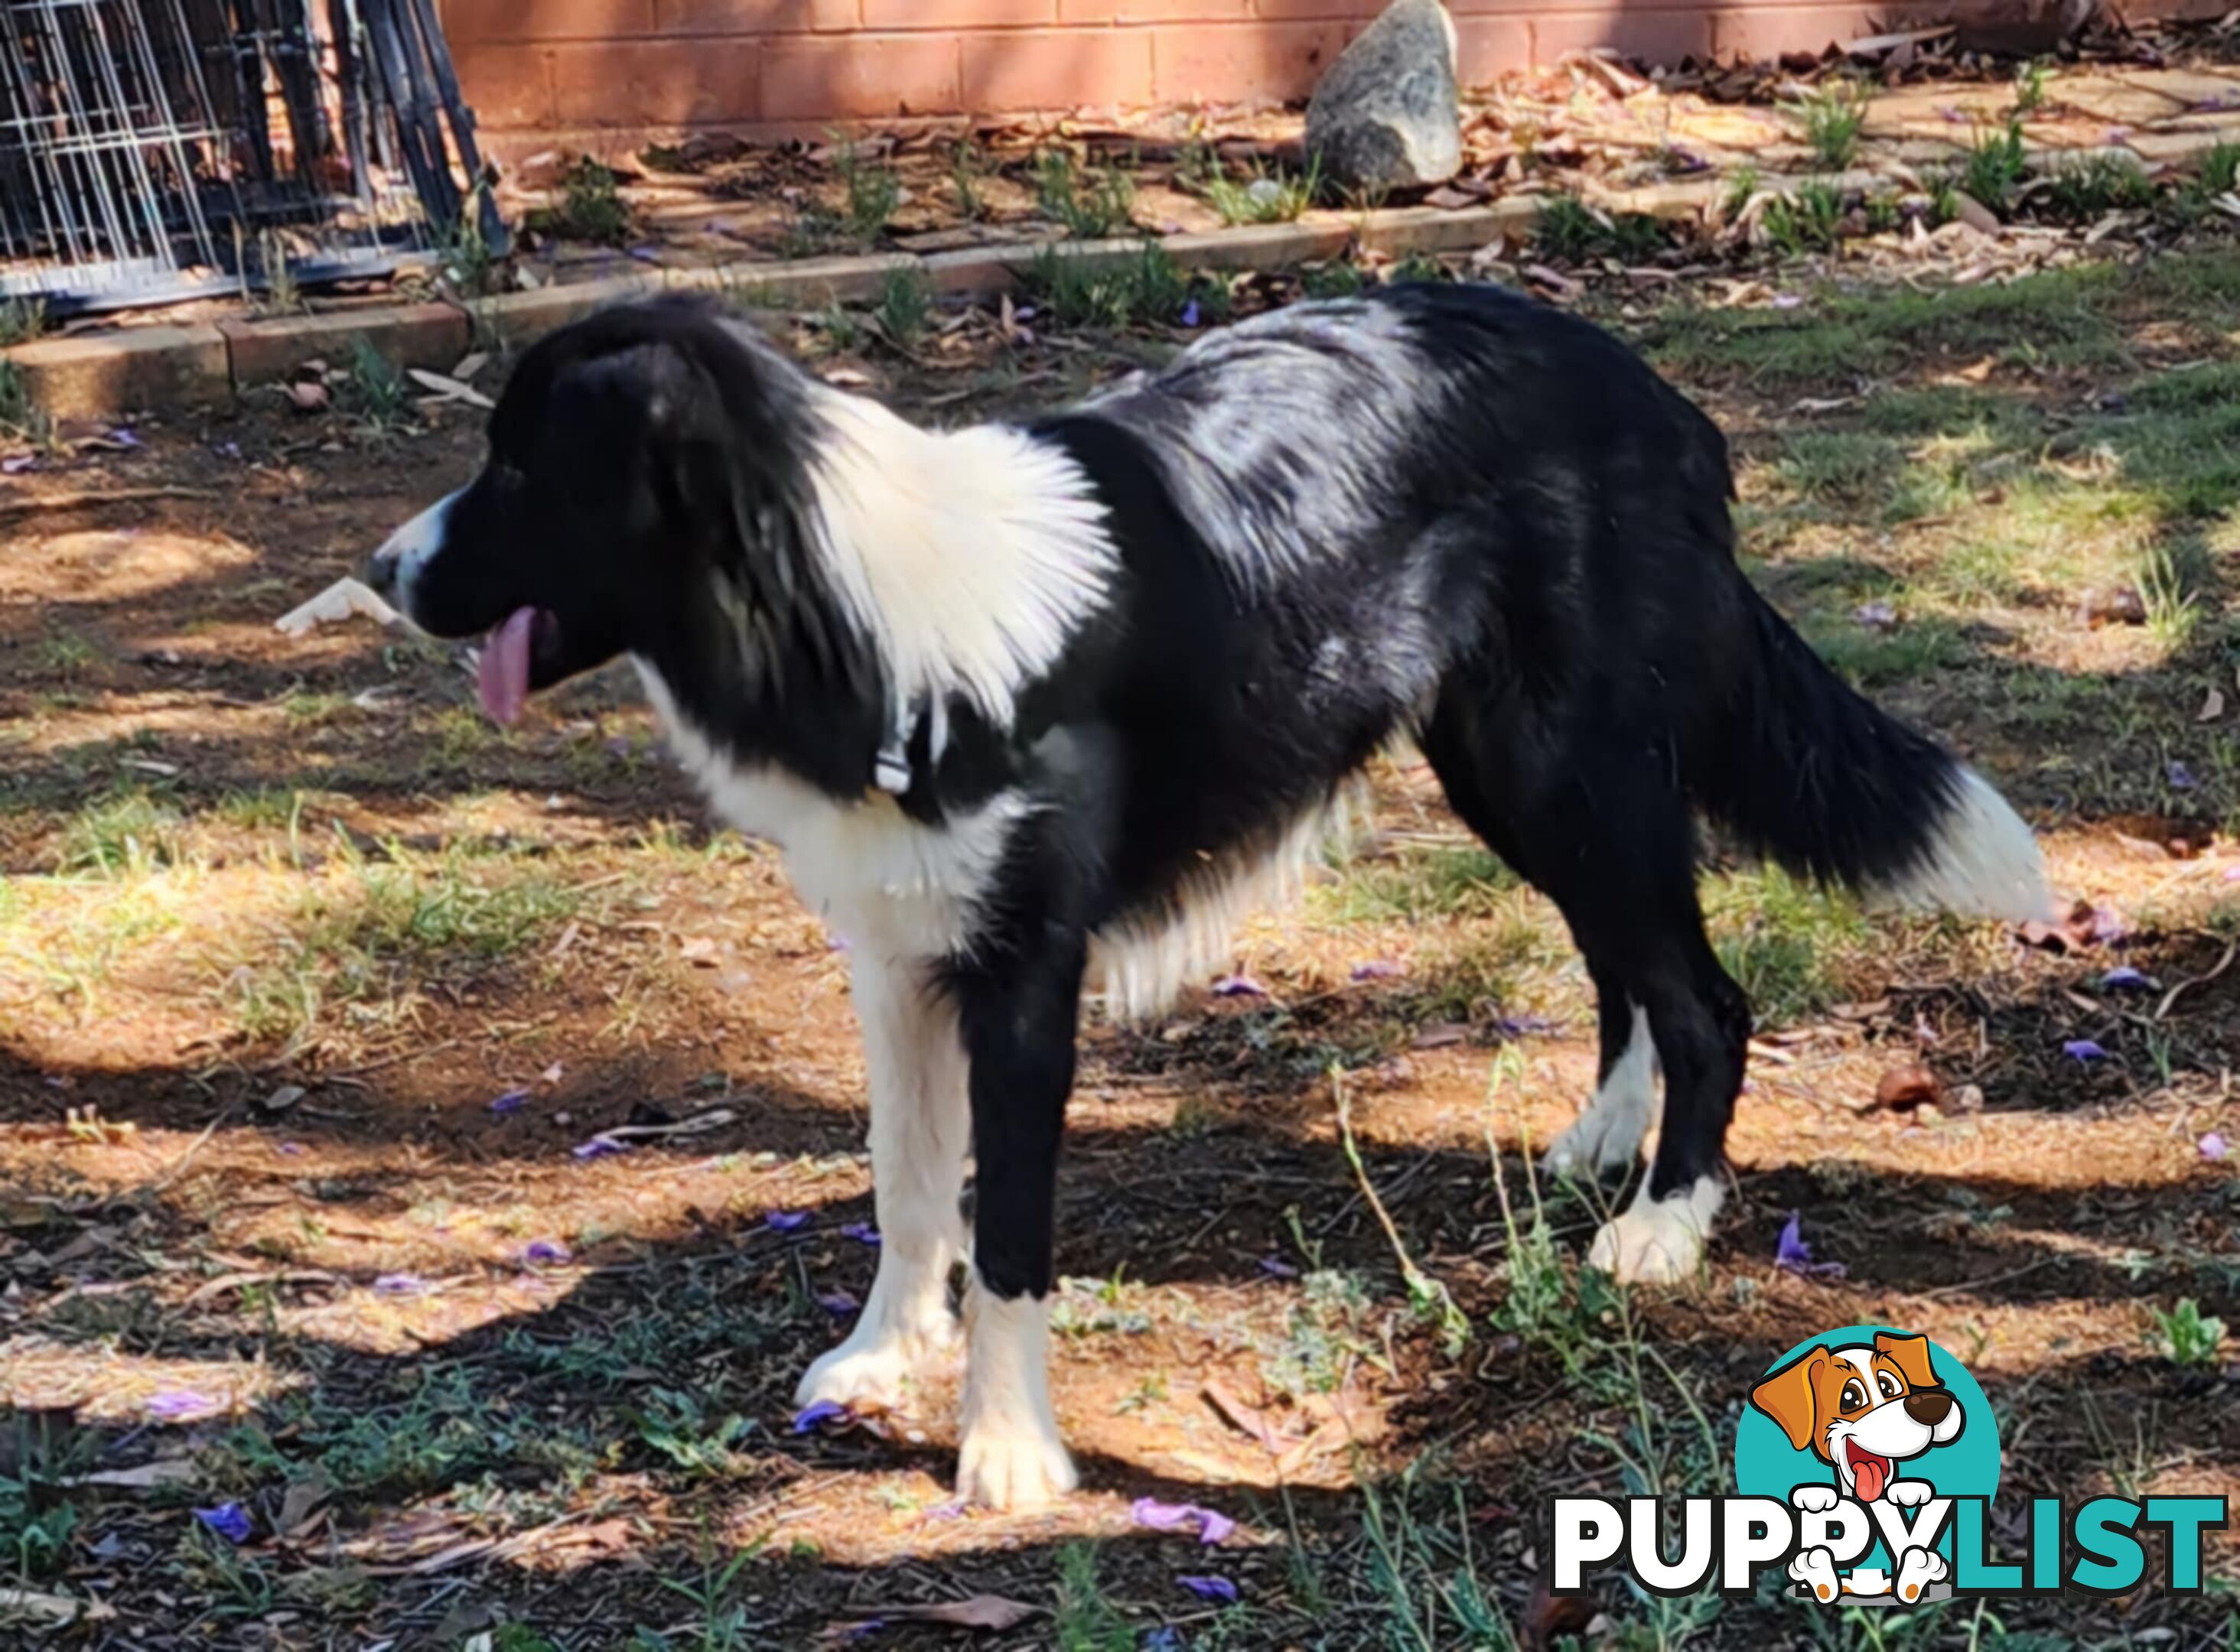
(210,366)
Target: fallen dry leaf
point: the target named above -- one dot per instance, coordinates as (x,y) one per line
(56,1611)
(2212,706)
(1902,1089)
(168,1471)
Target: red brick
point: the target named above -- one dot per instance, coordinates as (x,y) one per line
(1348,11)
(1488,48)
(657,83)
(480,22)
(509,86)
(757,17)
(1072,11)
(1768,31)
(1057,68)
(1656,36)
(1236,63)
(862,77)
(958,14)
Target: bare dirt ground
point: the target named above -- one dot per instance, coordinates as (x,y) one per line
(314,992)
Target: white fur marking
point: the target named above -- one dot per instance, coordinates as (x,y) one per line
(1658,1242)
(895,888)
(1609,1133)
(921,1124)
(971,557)
(1010,1456)
(1141,965)
(411,546)
(1983,864)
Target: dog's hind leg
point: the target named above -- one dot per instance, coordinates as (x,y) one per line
(1485,786)
(1598,823)
(920,1127)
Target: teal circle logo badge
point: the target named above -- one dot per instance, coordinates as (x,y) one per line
(1857,1429)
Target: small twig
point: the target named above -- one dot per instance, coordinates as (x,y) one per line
(179,1167)
(2223,964)
(91,498)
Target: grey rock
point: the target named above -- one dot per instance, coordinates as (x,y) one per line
(1387,114)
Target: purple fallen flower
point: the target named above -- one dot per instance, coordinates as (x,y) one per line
(179,1404)
(291,1149)
(547,1250)
(1165,1638)
(838,1304)
(1277,1268)
(16,463)
(811,1418)
(1793,1255)
(2084,1049)
(2123,978)
(399,1285)
(1190,314)
(862,1232)
(950,1510)
(2181,777)
(1213,1527)
(229,1520)
(1209,1589)
(125,436)
(646,255)
(787,1221)
(2213,1146)
(1376,969)
(599,1147)
(1239,986)
(511,1102)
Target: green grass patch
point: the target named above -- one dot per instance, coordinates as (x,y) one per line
(1092,203)
(1270,195)
(1787,943)
(1414,882)
(1830,119)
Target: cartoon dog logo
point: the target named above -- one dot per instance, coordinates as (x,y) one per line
(1863,1409)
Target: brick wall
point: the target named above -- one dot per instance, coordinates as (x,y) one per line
(624,70)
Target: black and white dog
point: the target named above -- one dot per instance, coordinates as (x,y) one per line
(1030,705)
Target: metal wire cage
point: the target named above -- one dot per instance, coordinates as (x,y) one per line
(152,150)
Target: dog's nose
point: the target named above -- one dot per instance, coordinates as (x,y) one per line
(1929,1407)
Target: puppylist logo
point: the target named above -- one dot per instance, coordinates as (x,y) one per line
(1865,1462)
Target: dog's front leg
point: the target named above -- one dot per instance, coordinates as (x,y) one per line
(1018,998)
(920,1126)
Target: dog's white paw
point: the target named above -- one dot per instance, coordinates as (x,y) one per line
(1908,1494)
(1602,1138)
(1658,1242)
(1815,1500)
(875,1365)
(1917,1571)
(1013,1463)
(1816,1569)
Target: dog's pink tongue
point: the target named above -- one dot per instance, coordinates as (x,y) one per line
(504,677)
(1871,1474)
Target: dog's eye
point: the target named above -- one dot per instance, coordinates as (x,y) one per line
(1888,1384)
(1855,1395)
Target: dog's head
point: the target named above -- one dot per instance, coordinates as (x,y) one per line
(646,484)
(1863,1409)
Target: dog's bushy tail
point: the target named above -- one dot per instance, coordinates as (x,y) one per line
(1812,775)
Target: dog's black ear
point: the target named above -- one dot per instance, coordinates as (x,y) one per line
(1911,1355)
(1789,1397)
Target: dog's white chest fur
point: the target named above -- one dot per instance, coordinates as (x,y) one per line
(887,883)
